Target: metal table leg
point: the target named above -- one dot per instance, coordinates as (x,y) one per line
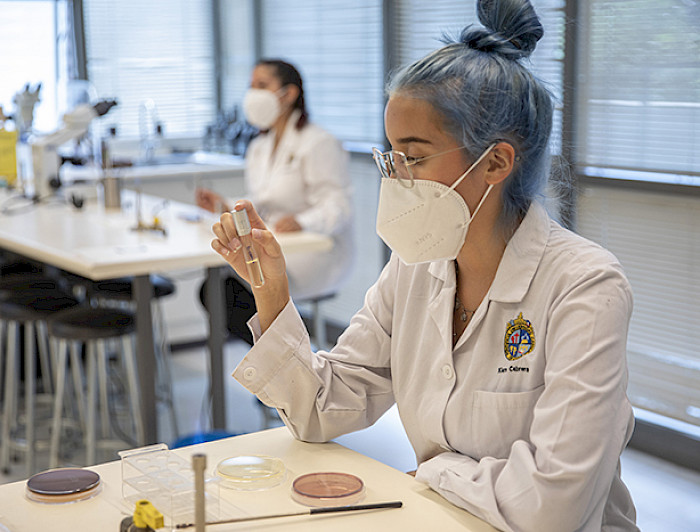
(146,356)
(216,301)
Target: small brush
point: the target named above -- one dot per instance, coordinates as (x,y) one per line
(310,511)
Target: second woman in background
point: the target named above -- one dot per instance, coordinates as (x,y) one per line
(297,176)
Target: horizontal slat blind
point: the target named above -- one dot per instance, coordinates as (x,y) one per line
(160,50)
(337,47)
(639,93)
(655,238)
(419,26)
(237,28)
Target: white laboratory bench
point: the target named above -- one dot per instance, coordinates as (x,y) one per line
(99,243)
(422,510)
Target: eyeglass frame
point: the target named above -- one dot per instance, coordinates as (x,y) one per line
(380,157)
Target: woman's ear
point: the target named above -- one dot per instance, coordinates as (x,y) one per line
(499,163)
(291,93)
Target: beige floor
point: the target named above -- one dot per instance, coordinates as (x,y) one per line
(666,495)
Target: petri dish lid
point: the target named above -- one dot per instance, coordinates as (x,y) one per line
(63,481)
(251,472)
(327,489)
(58,486)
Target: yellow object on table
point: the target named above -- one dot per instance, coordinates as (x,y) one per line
(146,518)
(146,515)
(8,156)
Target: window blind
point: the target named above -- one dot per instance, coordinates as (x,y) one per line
(237,28)
(639,93)
(655,238)
(418,27)
(160,50)
(337,47)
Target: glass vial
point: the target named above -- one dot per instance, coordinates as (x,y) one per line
(240,219)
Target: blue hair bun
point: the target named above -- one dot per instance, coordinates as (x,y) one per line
(512,28)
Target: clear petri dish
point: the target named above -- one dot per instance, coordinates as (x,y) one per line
(59,486)
(328,489)
(251,472)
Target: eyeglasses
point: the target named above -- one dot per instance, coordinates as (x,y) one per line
(395,164)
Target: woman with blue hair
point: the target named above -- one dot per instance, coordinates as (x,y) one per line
(500,335)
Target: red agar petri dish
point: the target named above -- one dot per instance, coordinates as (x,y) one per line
(327,489)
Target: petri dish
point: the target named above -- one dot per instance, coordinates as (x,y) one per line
(327,489)
(58,486)
(251,472)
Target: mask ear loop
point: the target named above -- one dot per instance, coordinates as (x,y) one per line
(474,165)
(465,174)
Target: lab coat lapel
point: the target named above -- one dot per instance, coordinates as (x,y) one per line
(521,257)
(286,147)
(441,303)
(264,161)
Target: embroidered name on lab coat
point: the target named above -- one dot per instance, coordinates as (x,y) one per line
(520,338)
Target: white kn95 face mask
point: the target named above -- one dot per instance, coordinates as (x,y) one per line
(427,222)
(261,108)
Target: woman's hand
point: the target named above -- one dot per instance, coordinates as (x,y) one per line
(210,200)
(287,224)
(273,295)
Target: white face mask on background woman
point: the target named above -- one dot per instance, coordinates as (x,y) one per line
(261,108)
(427,222)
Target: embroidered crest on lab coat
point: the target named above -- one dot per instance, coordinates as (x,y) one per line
(520,338)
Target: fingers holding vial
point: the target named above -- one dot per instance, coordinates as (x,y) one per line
(250,256)
(241,238)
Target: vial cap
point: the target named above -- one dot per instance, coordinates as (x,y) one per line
(240,219)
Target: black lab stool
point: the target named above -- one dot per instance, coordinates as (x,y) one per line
(119,292)
(26,301)
(96,329)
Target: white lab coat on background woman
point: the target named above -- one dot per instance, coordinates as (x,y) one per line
(522,422)
(305,176)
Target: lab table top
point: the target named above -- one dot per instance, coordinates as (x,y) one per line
(422,509)
(100,243)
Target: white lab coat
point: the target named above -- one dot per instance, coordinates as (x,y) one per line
(306,176)
(531,443)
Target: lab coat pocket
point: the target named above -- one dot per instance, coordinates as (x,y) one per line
(500,419)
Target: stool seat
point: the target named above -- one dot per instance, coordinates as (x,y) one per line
(20,267)
(87,323)
(33,304)
(122,287)
(17,281)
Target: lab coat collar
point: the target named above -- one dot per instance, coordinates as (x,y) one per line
(513,277)
(286,144)
(522,257)
(522,254)
(290,128)
(440,269)
(441,303)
